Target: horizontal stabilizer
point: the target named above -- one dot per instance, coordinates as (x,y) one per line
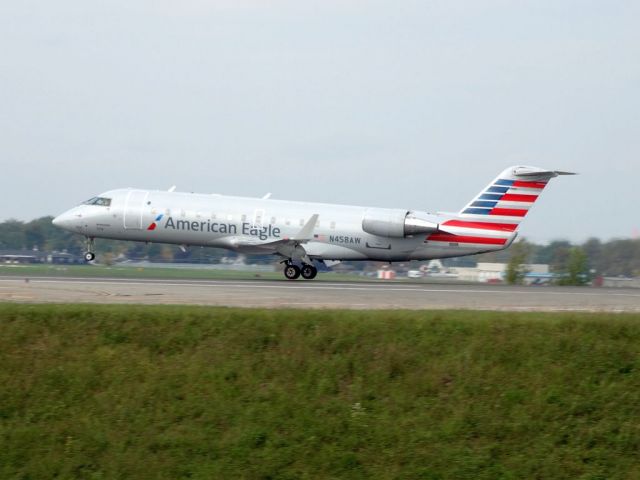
(538,172)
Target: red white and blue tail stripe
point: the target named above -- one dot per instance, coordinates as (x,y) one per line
(493,216)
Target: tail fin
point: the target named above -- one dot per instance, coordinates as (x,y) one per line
(504,203)
(494,215)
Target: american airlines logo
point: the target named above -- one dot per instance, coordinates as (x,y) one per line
(154,224)
(262,232)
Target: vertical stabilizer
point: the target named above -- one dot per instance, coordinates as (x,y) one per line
(492,217)
(508,198)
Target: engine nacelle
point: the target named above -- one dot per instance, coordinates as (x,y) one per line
(417,223)
(395,223)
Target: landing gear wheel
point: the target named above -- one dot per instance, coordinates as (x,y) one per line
(291,272)
(309,272)
(89,256)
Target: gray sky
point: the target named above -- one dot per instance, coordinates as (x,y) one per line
(413,104)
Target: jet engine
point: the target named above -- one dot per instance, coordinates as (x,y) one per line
(397,223)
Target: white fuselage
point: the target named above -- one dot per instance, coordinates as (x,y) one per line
(253,225)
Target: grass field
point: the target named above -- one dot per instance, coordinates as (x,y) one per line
(101,392)
(130,272)
(93,271)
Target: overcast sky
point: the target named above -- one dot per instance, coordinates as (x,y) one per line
(414,104)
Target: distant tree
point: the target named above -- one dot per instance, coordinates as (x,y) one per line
(620,257)
(577,268)
(42,234)
(35,236)
(592,247)
(516,267)
(556,255)
(12,235)
(499,256)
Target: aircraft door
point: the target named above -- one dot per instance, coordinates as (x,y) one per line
(134,209)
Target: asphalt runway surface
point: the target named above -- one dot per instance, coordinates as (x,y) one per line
(315,294)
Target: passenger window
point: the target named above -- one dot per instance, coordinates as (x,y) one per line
(332,225)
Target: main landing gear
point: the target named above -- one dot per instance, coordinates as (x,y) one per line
(292,271)
(308,272)
(89,255)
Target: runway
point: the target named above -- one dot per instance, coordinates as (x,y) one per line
(315,294)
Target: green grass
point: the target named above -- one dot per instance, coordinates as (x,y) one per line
(93,271)
(102,392)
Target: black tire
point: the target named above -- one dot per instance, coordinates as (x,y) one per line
(89,256)
(291,272)
(309,272)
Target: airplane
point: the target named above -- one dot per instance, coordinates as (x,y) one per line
(309,237)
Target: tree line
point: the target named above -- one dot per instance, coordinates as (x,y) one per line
(617,257)
(609,258)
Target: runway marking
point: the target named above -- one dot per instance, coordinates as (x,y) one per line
(326,304)
(251,284)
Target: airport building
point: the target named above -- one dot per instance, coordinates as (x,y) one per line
(22,257)
(484,272)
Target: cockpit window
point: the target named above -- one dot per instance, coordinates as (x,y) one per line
(100,201)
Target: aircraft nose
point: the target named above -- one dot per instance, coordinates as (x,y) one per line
(66,220)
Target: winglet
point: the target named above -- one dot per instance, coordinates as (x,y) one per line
(306,232)
(266,196)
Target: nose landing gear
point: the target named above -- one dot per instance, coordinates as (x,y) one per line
(292,271)
(89,255)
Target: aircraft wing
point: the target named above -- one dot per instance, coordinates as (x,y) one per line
(289,246)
